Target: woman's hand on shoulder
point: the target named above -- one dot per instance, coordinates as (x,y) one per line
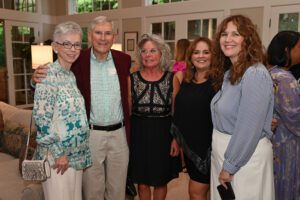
(39,73)
(61,164)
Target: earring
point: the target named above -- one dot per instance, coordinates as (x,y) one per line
(55,51)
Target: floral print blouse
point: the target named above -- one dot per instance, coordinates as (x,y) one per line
(60,116)
(287,100)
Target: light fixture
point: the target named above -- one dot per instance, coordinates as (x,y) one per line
(40,55)
(117,46)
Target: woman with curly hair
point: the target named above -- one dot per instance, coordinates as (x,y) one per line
(241,113)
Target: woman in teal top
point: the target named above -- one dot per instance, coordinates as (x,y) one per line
(60,116)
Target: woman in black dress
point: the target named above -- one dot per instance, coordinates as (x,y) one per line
(154,157)
(192,117)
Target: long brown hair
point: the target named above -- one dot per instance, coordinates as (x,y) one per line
(190,69)
(252,51)
(181,49)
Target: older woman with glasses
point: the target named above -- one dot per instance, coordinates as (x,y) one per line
(154,157)
(61,120)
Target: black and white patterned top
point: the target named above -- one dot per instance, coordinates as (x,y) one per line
(152,98)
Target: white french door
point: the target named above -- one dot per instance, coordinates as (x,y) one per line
(284,18)
(18,37)
(190,26)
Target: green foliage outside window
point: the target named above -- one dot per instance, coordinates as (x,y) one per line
(84,37)
(21,5)
(26,5)
(83,6)
(2,47)
(288,21)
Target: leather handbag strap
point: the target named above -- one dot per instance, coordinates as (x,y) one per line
(28,138)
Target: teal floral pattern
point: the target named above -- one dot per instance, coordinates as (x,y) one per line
(60,117)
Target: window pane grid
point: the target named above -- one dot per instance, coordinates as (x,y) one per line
(201,27)
(20,5)
(86,6)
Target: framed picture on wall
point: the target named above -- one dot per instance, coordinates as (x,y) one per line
(130,41)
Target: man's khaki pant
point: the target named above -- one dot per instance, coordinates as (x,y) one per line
(106,179)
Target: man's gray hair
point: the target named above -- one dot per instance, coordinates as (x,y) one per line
(101,20)
(66,28)
(162,46)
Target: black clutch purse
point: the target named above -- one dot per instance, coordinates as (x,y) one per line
(226,194)
(130,188)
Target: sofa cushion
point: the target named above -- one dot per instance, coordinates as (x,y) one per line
(11,184)
(5,157)
(1,121)
(33,192)
(1,128)
(14,137)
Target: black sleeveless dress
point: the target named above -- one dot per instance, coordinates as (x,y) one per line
(150,161)
(193,119)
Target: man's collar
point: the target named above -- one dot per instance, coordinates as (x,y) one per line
(109,56)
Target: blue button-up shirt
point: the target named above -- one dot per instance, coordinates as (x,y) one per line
(244,110)
(106,105)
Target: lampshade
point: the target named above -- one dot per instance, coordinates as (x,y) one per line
(41,54)
(117,46)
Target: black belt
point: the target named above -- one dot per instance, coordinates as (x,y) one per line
(112,127)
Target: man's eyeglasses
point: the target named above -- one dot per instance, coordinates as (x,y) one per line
(69,45)
(151,51)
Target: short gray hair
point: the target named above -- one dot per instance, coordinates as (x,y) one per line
(66,28)
(162,46)
(101,20)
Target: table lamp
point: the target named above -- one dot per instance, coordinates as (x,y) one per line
(41,54)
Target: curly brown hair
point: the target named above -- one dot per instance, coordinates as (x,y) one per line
(190,69)
(252,51)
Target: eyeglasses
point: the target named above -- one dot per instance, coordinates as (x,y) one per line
(69,45)
(151,51)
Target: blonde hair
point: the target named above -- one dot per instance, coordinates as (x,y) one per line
(162,46)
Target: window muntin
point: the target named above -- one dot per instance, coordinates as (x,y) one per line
(167,31)
(86,6)
(201,27)
(21,5)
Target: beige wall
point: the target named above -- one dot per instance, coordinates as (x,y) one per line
(255,14)
(132,25)
(54,7)
(48,31)
(131,3)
